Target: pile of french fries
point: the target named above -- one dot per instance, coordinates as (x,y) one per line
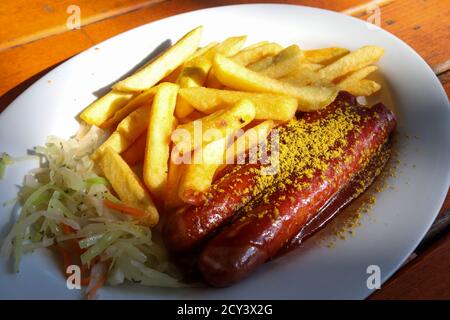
(221,87)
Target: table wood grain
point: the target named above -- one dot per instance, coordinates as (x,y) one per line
(34,39)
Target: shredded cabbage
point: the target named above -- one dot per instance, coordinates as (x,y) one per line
(67,190)
(5,160)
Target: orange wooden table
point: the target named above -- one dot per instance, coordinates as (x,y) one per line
(34,38)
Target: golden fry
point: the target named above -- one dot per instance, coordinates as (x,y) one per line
(250,139)
(163,65)
(198,176)
(227,48)
(194,134)
(356,76)
(325,55)
(172,200)
(351,62)
(195,71)
(127,132)
(267,106)
(363,88)
(261,64)
(255,45)
(127,185)
(304,75)
(310,98)
(145,97)
(159,130)
(201,51)
(195,115)
(103,108)
(253,54)
(284,62)
(135,123)
(135,153)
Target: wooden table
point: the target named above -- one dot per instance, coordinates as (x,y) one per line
(34,38)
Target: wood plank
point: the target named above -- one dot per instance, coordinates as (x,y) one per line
(445,205)
(426,277)
(424,25)
(108,28)
(445,80)
(21,63)
(23,21)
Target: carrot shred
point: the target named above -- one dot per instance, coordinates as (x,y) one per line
(93,292)
(67,229)
(67,259)
(72,242)
(135,212)
(101,281)
(85,281)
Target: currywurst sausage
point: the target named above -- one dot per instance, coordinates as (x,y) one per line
(188,227)
(185,228)
(318,155)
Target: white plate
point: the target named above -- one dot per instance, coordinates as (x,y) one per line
(398,221)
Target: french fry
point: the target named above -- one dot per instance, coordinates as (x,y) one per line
(127,132)
(194,134)
(267,106)
(193,75)
(325,55)
(163,65)
(135,123)
(198,176)
(172,200)
(310,98)
(159,130)
(103,108)
(201,51)
(363,88)
(261,64)
(135,153)
(255,45)
(250,139)
(353,61)
(174,75)
(127,185)
(284,62)
(195,71)
(115,141)
(253,54)
(356,77)
(304,75)
(227,48)
(195,115)
(145,97)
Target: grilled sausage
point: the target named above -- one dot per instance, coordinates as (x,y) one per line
(261,232)
(186,228)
